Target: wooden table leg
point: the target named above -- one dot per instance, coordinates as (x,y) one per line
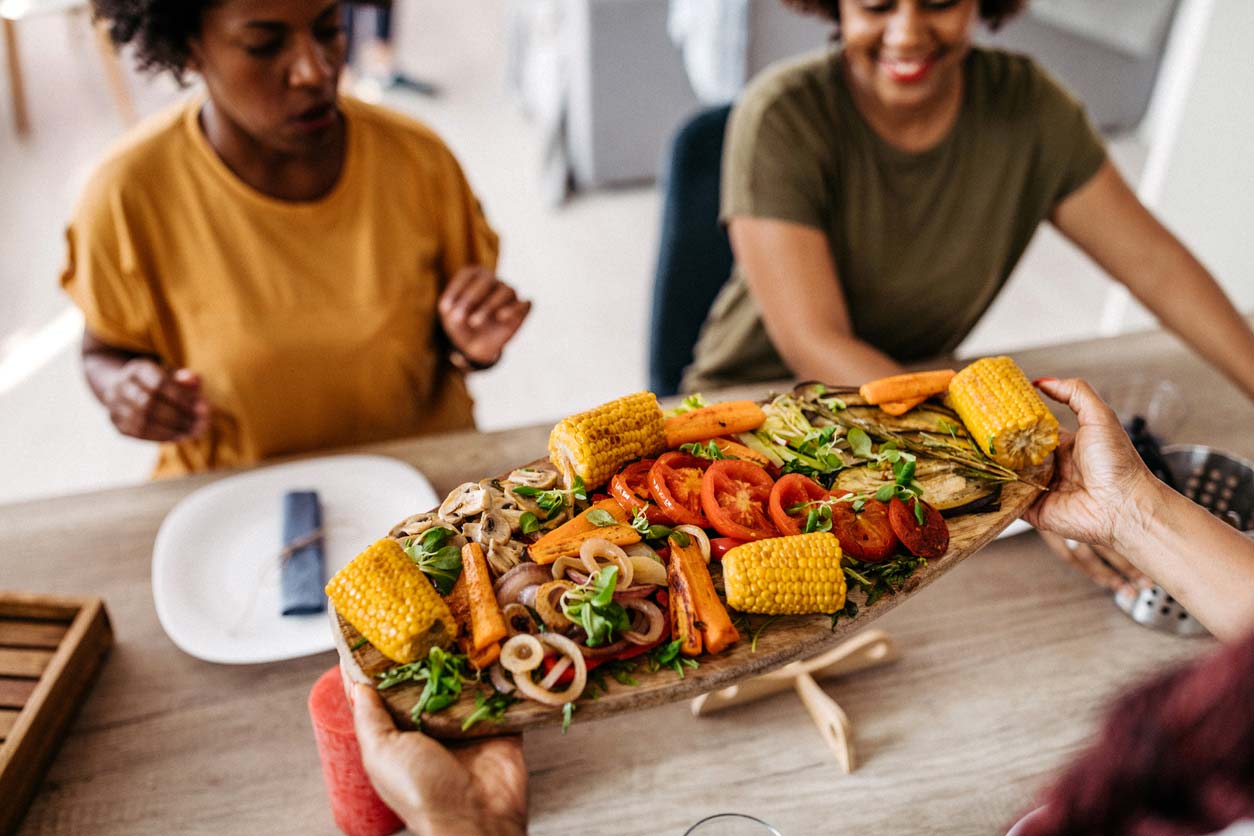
(21,119)
(114,75)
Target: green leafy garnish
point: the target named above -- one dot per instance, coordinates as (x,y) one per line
(601,518)
(578,490)
(568,711)
(849,610)
(529,523)
(709,450)
(859,442)
(688,404)
(640,522)
(681,538)
(668,656)
(819,518)
(439,562)
(489,707)
(443,672)
(753,643)
(593,608)
(551,502)
(875,579)
(361,641)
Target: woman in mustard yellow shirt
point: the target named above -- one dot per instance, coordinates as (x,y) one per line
(270,268)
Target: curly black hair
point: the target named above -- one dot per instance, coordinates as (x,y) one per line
(159,29)
(994,12)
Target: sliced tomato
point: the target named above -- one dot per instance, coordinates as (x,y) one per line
(720,546)
(675,485)
(734,495)
(630,486)
(931,539)
(791,491)
(865,535)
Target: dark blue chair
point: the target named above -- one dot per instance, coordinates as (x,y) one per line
(694,256)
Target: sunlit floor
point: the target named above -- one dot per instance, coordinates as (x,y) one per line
(588,264)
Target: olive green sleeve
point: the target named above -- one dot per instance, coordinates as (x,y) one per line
(772,165)
(1071,149)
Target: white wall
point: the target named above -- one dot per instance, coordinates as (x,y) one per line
(1199,176)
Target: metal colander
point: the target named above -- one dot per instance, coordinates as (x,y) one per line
(1222,484)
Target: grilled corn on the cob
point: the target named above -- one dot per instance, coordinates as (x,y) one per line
(389,600)
(593,445)
(795,575)
(1003,413)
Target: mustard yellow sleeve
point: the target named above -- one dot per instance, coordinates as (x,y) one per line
(101,274)
(469,239)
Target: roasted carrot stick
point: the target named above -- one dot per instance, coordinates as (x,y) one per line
(566,539)
(901,407)
(711,421)
(737,450)
(716,626)
(487,623)
(902,387)
(480,659)
(683,611)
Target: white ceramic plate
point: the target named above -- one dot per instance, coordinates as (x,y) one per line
(215,569)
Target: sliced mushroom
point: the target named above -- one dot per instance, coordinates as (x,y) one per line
(494,493)
(504,556)
(493,528)
(534,477)
(414,525)
(466,500)
(513,516)
(471,532)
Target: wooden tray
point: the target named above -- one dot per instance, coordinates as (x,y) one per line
(787,639)
(50,648)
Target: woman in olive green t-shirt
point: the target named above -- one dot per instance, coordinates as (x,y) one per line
(879,195)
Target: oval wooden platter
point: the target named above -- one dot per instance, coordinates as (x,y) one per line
(785,640)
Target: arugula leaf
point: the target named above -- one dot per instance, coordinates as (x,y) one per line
(601,518)
(489,707)
(849,610)
(568,711)
(668,656)
(529,523)
(593,608)
(876,579)
(443,672)
(441,563)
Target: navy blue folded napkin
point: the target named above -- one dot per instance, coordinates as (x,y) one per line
(302,568)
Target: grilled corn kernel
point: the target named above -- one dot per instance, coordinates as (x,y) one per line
(389,600)
(593,445)
(796,575)
(1003,412)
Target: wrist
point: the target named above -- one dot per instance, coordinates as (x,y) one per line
(1142,519)
(437,824)
(465,363)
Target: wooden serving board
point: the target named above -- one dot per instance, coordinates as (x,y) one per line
(50,649)
(785,640)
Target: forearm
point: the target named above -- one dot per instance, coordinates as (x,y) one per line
(1189,302)
(838,359)
(1203,563)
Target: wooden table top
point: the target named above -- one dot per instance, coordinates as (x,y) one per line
(1006,662)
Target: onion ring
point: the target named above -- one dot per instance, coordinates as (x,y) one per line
(521,654)
(499,680)
(698,534)
(550,615)
(646,570)
(562,564)
(600,547)
(523,575)
(570,650)
(559,668)
(515,611)
(528,595)
(651,612)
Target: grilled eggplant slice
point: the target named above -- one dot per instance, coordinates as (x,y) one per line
(946,487)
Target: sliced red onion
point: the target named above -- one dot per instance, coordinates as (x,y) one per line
(528,595)
(578,577)
(517,579)
(499,679)
(655,621)
(562,566)
(521,654)
(599,547)
(569,650)
(515,612)
(559,668)
(638,591)
(647,570)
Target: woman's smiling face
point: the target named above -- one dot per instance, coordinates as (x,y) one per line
(906,54)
